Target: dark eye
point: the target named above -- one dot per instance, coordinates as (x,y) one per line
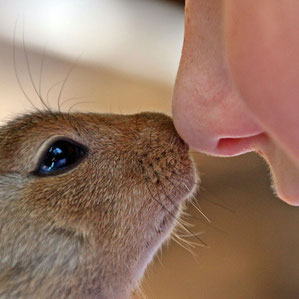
(61,156)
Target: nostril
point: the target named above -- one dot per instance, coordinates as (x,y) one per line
(228,142)
(236,146)
(233,146)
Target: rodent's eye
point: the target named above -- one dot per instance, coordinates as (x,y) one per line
(61,156)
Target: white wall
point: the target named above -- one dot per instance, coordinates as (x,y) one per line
(140,37)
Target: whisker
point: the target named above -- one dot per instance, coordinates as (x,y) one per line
(209,200)
(41,72)
(65,81)
(80,103)
(168,197)
(214,202)
(30,73)
(139,293)
(200,211)
(163,207)
(179,220)
(16,70)
(203,244)
(218,205)
(50,90)
(190,236)
(159,257)
(183,246)
(197,208)
(188,242)
(72,99)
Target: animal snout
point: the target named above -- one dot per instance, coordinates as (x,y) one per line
(159,131)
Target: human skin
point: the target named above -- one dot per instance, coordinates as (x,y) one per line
(237,87)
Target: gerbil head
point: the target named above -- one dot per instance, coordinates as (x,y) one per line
(86,200)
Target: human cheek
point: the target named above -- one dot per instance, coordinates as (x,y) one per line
(207,111)
(262,47)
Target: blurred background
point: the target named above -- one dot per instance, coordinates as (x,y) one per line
(121,56)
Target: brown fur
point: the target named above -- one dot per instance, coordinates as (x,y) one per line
(89,232)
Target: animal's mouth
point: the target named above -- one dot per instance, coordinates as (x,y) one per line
(171,206)
(175,190)
(170,180)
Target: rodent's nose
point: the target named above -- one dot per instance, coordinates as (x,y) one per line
(160,128)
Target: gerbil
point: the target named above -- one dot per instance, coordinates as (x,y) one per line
(86,200)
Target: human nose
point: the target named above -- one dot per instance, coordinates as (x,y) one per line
(208,112)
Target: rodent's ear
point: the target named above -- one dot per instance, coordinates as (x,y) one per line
(58,155)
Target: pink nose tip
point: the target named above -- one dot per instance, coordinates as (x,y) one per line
(211,117)
(212,140)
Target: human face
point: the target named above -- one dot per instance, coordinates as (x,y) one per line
(236,89)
